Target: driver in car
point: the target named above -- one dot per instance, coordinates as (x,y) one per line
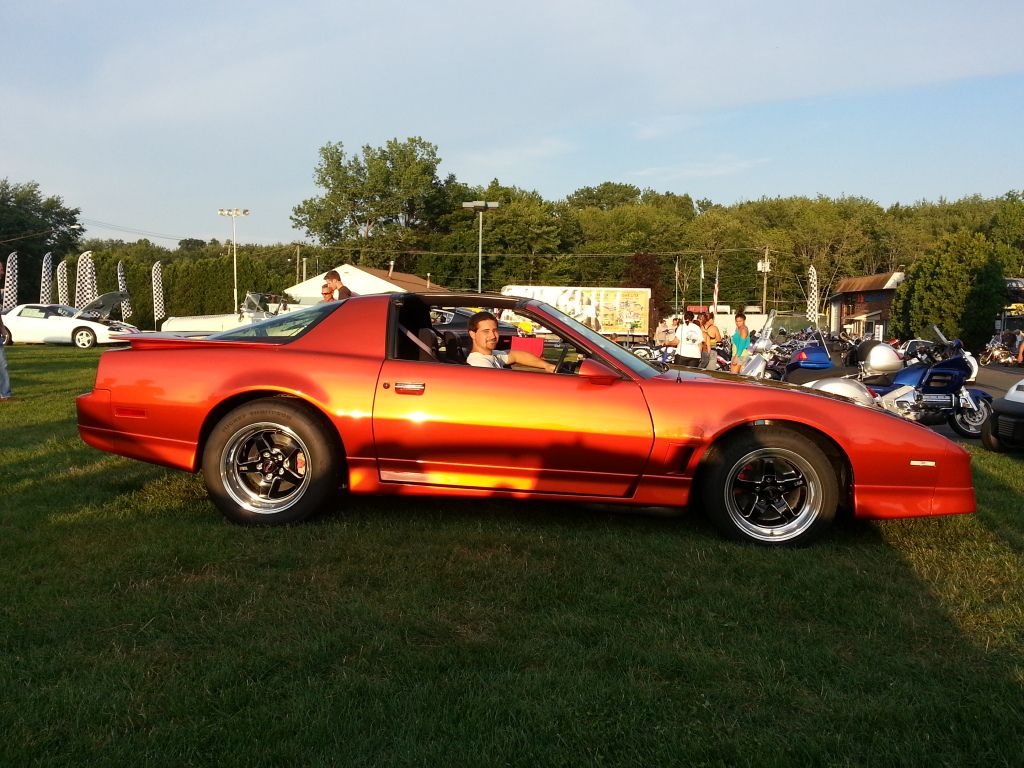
(483,331)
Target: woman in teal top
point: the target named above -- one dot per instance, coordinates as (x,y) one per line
(740,343)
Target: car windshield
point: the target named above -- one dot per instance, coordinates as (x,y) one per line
(279,329)
(609,347)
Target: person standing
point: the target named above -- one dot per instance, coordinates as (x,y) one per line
(711,337)
(338,288)
(740,343)
(689,337)
(5,378)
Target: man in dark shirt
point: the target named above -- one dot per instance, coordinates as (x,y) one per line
(337,287)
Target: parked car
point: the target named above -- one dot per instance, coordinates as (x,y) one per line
(290,416)
(60,324)
(1003,430)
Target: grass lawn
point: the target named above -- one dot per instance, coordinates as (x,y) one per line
(139,628)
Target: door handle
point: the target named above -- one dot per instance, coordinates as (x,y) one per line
(409,388)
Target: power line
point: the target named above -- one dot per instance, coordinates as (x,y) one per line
(132,230)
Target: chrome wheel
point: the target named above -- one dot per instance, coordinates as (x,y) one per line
(968,423)
(773,494)
(263,468)
(771,487)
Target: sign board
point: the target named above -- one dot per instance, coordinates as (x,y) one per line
(606,310)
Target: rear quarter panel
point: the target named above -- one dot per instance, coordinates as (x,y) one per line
(152,404)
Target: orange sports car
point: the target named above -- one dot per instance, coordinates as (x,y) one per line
(289,415)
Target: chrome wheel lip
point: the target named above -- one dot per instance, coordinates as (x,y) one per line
(250,489)
(806,492)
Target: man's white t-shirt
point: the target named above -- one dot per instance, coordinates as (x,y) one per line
(690,337)
(494,360)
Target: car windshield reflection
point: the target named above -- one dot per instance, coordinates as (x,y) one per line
(280,329)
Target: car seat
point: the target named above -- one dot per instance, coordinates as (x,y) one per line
(454,352)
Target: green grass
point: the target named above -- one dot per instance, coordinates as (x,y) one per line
(139,628)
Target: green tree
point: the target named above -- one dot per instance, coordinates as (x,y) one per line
(604,196)
(959,287)
(380,198)
(32,224)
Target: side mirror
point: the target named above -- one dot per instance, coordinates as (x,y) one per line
(597,372)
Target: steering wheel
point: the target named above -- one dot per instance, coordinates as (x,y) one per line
(561,358)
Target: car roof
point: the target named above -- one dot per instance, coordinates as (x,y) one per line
(449,299)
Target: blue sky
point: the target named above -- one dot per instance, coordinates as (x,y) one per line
(152,118)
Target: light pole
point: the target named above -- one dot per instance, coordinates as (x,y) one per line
(480,206)
(234,213)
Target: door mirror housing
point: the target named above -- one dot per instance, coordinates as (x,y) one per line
(597,372)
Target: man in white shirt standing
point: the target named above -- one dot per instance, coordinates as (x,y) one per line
(483,331)
(689,337)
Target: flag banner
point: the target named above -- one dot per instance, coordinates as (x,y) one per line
(85,281)
(62,283)
(158,292)
(702,269)
(46,280)
(714,300)
(812,294)
(11,283)
(122,285)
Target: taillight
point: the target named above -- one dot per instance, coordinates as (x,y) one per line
(800,356)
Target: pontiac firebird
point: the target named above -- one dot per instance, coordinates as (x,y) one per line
(288,416)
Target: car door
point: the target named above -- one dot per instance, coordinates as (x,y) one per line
(32,325)
(459,426)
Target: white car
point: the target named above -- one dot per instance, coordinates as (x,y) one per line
(60,324)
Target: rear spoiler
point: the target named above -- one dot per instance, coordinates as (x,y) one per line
(181,340)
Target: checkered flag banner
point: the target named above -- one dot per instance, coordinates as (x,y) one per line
(62,283)
(85,281)
(158,293)
(11,282)
(46,280)
(812,295)
(122,286)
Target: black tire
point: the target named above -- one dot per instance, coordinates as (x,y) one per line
(5,337)
(770,486)
(270,462)
(83,338)
(969,423)
(989,438)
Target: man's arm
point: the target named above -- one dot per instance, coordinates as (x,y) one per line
(530,360)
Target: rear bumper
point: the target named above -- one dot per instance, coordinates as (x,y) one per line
(98,428)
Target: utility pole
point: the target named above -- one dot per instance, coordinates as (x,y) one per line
(765,267)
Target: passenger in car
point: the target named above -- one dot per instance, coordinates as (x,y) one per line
(483,331)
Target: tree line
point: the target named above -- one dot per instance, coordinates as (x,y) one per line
(389,204)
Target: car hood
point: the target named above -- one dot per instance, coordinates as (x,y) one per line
(681,374)
(103,306)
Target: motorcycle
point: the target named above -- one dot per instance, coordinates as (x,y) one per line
(997,353)
(931,388)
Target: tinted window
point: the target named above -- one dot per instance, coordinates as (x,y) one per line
(280,329)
